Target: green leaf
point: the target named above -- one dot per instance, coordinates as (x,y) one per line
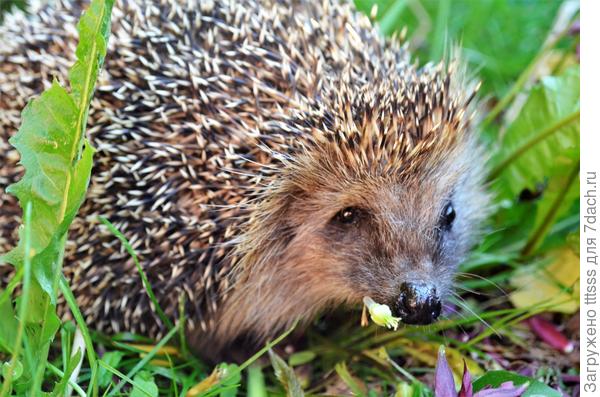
(144,385)
(302,357)
(496,378)
(8,326)
(45,142)
(357,388)
(286,375)
(231,383)
(113,359)
(94,29)
(544,135)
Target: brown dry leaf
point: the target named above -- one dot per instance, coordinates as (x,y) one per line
(215,377)
(163,351)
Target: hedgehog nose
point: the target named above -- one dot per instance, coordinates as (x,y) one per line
(418,303)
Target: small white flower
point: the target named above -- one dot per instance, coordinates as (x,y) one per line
(381,314)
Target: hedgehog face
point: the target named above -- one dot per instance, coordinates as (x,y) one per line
(397,238)
(400,247)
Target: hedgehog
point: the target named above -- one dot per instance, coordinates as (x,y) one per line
(267,160)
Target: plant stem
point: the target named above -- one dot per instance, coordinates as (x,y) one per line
(49,310)
(537,138)
(538,234)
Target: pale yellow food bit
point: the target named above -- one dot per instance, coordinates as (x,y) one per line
(381,314)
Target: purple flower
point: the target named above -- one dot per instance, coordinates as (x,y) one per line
(444,383)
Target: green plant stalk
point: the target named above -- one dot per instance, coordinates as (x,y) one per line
(89,346)
(182,318)
(23,304)
(49,309)
(161,314)
(537,235)
(543,134)
(256,382)
(173,376)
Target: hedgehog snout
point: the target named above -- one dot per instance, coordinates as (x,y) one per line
(417,303)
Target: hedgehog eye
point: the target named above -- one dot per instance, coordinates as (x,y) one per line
(448,216)
(347,216)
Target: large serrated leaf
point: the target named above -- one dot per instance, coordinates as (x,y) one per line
(50,138)
(94,29)
(58,161)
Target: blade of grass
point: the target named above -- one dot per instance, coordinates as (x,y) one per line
(89,345)
(516,317)
(61,374)
(441,29)
(342,370)
(161,314)
(256,382)
(538,235)
(389,22)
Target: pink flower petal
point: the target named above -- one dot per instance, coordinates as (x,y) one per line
(506,389)
(466,389)
(550,334)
